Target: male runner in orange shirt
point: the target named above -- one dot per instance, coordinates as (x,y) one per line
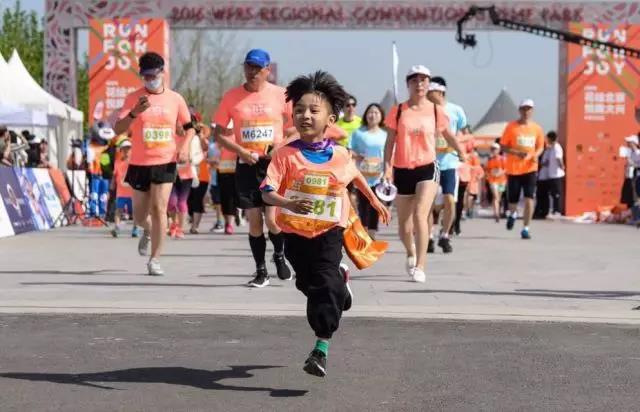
(523,143)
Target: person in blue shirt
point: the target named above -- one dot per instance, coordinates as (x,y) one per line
(367,147)
(447,161)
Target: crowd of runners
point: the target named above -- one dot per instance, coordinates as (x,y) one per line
(297,159)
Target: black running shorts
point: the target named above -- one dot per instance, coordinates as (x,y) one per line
(248,181)
(141,178)
(525,183)
(406,180)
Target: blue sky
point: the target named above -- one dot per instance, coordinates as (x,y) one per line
(526,65)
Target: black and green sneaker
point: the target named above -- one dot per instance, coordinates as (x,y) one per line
(316,364)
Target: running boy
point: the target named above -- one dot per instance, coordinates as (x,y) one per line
(124,193)
(307,181)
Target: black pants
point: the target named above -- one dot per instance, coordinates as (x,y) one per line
(548,197)
(317,265)
(228,195)
(462,189)
(367,213)
(195,202)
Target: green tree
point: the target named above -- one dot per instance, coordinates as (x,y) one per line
(22,30)
(82,79)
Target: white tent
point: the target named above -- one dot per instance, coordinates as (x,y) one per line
(64,122)
(23,80)
(493,123)
(12,115)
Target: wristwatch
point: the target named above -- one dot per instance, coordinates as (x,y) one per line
(131,115)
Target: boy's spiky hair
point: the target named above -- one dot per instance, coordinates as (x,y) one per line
(321,83)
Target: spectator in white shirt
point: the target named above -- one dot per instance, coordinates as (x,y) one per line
(631,170)
(550,178)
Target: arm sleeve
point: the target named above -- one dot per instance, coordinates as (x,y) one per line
(129,104)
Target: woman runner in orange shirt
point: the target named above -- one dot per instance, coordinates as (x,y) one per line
(410,162)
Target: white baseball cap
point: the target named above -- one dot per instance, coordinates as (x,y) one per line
(437,87)
(419,69)
(632,139)
(527,103)
(124,143)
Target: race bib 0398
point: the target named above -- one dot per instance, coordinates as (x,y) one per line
(157,134)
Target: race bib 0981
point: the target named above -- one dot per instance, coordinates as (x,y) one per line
(325,208)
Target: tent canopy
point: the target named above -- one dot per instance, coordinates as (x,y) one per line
(20,81)
(14,115)
(63,122)
(502,111)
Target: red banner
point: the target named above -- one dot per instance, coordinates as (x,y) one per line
(600,97)
(296,14)
(114,48)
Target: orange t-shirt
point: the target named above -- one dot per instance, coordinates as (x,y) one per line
(204,171)
(119,173)
(153,138)
(259,118)
(227,164)
(292,175)
(527,138)
(477,172)
(415,134)
(495,170)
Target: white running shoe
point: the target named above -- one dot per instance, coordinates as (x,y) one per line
(143,244)
(410,265)
(419,275)
(154,268)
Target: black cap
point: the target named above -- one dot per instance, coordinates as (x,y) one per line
(439,79)
(151,63)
